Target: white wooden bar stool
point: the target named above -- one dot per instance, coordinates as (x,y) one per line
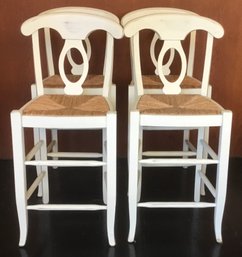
(172,110)
(93,84)
(152,83)
(71,110)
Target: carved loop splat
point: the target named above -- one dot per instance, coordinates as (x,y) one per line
(73,88)
(166,66)
(172,87)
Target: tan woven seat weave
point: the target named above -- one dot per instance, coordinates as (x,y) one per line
(92,81)
(177,105)
(154,82)
(66,105)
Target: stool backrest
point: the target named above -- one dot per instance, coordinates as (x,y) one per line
(172,28)
(73,28)
(77,68)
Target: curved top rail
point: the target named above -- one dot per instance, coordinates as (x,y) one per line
(72,25)
(173,26)
(88,10)
(152,10)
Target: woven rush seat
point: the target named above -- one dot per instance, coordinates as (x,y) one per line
(92,81)
(154,82)
(177,104)
(61,105)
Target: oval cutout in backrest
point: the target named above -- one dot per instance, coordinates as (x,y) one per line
(73,88)
(172,87)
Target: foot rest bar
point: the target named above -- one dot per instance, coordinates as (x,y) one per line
(74,155)
(66,207)
(168,153)
(66,163)
(176,205)
(176,162)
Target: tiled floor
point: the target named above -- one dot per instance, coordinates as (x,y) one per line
(160,232)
